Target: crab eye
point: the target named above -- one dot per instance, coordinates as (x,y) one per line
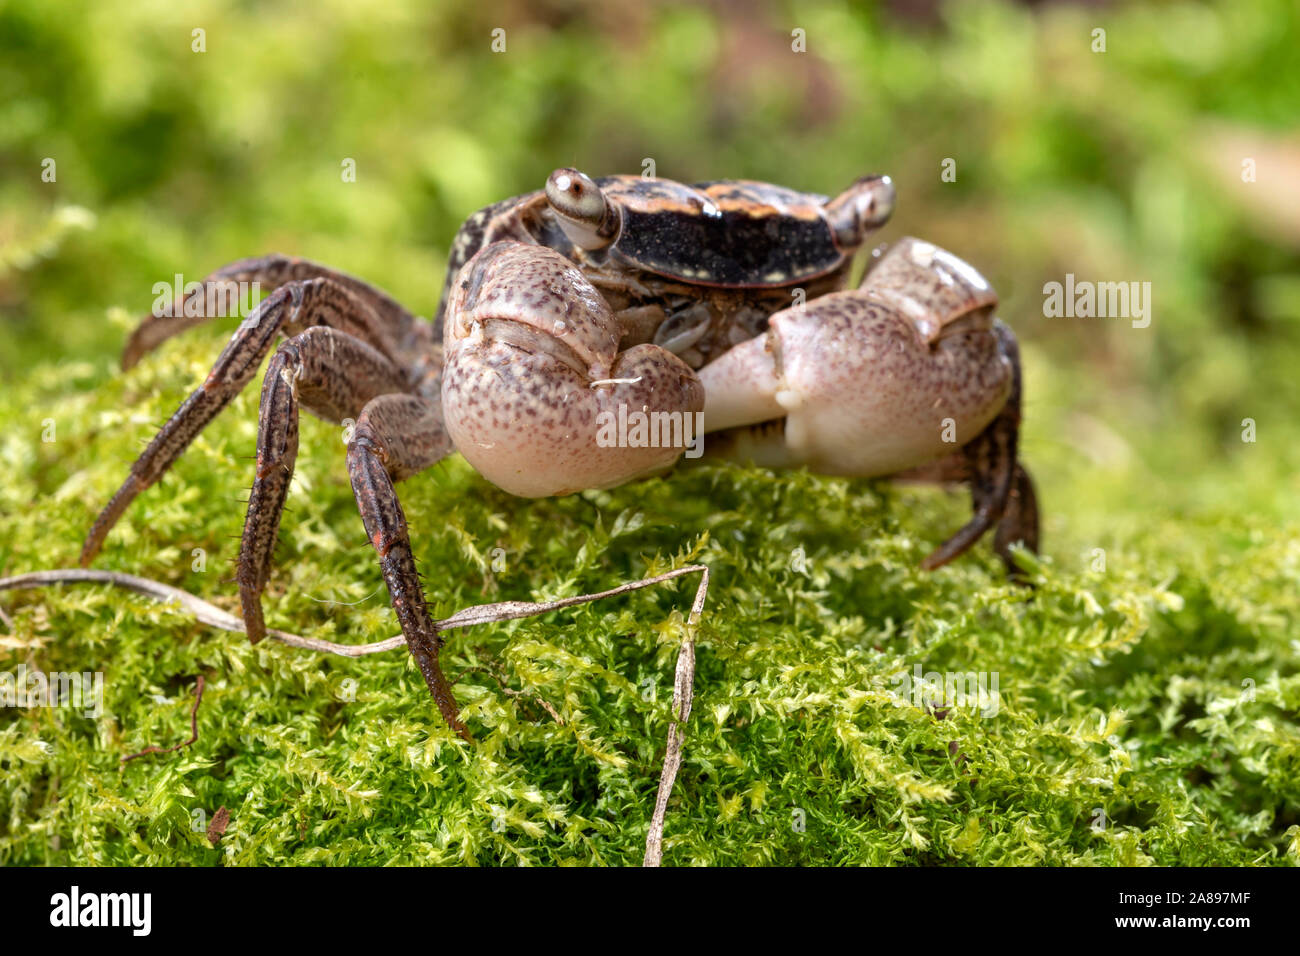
(880,203)
(860,209)
(583,213)
(574,196)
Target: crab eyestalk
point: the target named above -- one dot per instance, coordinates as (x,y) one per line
(589,220)
(860,210)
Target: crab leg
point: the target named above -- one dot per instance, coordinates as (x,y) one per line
(289,309)
(333,375)
(1019,520)
(1001,490)
(270,272)
(395,437)
(994,477)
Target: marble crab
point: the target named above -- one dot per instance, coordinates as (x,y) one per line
(718,312)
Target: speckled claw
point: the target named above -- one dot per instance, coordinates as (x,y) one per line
(869,382)
(910,376)
(536,394)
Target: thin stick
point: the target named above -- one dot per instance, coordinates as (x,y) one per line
(683,684)
(683,697)
(194,728)
(211,614)
(203,611)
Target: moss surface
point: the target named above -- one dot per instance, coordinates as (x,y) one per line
(1146,711)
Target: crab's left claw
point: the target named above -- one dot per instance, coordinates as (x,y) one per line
(911,368)
(872,381)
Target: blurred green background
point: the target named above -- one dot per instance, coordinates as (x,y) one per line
(1115,166)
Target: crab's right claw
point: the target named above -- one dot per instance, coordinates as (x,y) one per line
(535,393)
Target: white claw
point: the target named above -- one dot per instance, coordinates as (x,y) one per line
(867,381)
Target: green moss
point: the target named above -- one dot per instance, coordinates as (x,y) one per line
(1121,692)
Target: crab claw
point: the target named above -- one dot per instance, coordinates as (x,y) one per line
(902,371)
(536,394)
(588,219)
(860,210)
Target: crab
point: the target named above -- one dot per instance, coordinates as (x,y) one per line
(722,304)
